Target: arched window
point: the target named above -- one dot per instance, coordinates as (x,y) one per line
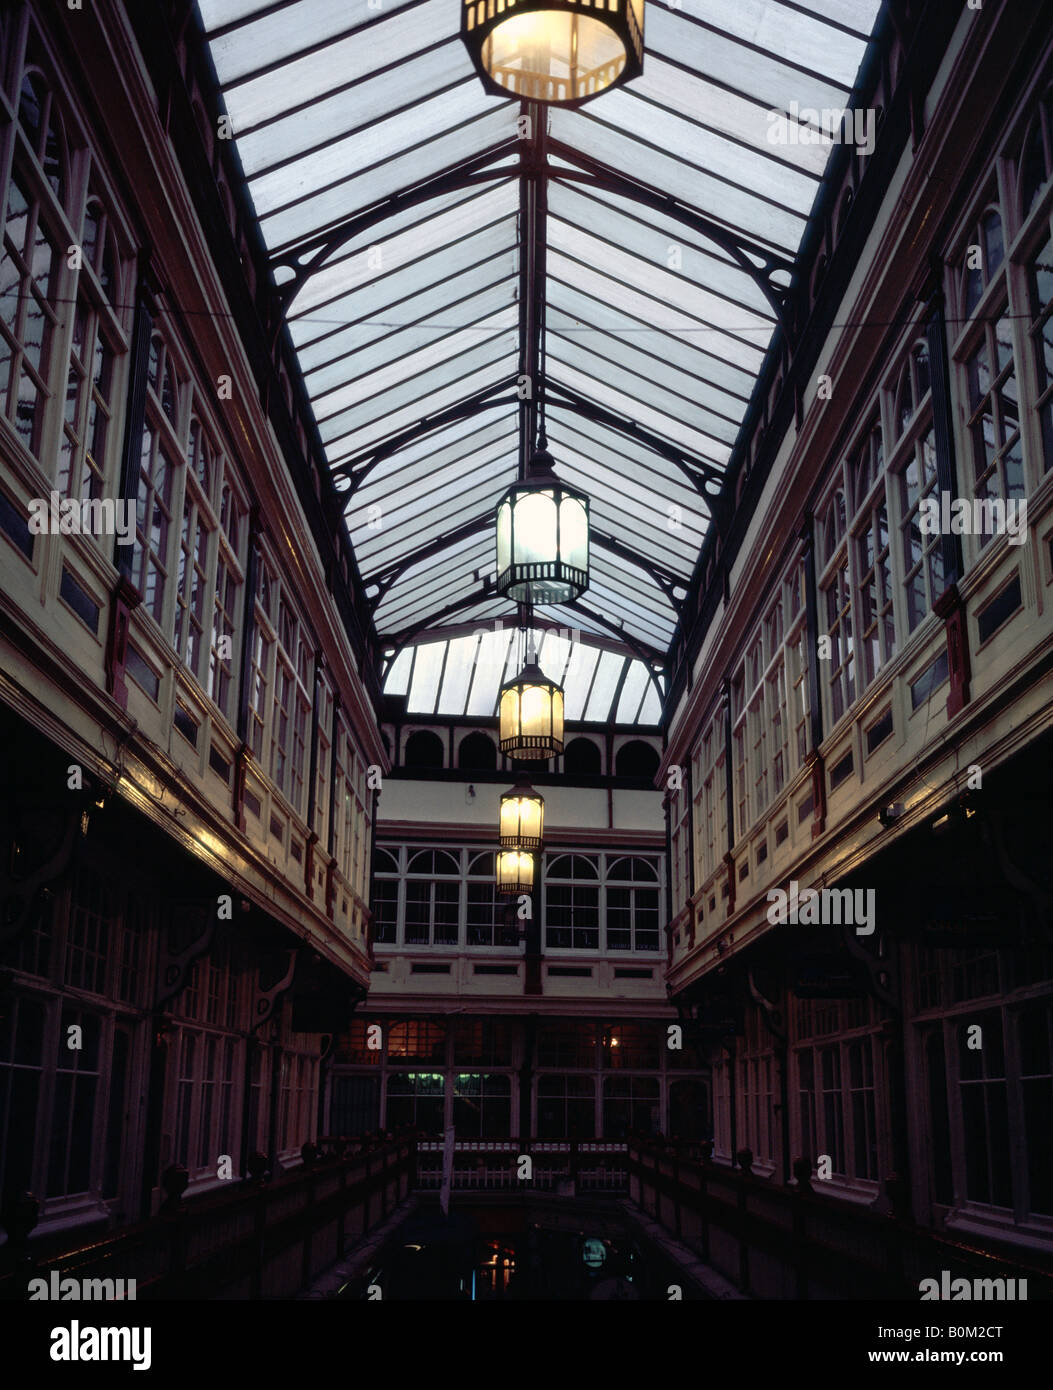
(581,758)
(834,524)
(488,911)
(385,897)
(477,753)
(1040,334)
(423,750)
(904,407)
(100,251)
(195,551)
(633,869)
(636,759)
(919,365)
(40,120)
(1036,158)
(201,457)
(433,898)
(572,866)
(632,904)
(983,257)
(572,903)
(28,319)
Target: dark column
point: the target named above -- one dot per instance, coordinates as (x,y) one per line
(949,605)
(277,1053)
(126,596)
(248,625)
(669,913)
(154,1113)
(135,413)
(942,411)
(312,787)
(532,958)
(815,702)
(729,792)
(526,1073)
(372,864)
(334,763)
(690,828)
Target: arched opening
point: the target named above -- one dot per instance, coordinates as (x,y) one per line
(477,753)
(423,750)
(636,759)
(581,758)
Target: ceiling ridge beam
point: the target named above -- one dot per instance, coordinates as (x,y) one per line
(739,248)
(359,465)
(695,468)
(463,175)
(665,579)
(386,577)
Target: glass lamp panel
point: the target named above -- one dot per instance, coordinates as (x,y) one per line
(535,528)
(515,871)
(504,537)
(574,533)
(555,45)
(521,818)
(557,717)
(536,711)
(510,818)
(509,714)
(531,817)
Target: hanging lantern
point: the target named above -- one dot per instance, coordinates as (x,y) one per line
(542,538)
(530,708)
(553,50)
(522,817)
(515,871)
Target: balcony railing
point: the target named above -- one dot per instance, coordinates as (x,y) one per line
(557,1165)
(783,1242)
(257,1240)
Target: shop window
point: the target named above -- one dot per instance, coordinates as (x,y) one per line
(630,1105)
(566,1107)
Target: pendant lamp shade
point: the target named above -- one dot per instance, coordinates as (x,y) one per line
(560,51)
(515,871)
(542,538)
(530,709)
(522,817)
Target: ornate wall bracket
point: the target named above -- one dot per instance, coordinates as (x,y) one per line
(265,998)
(18,892)
(880,959)
(196,923)
(773,1012)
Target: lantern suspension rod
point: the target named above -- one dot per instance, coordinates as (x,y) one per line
(526,627)
(533,234)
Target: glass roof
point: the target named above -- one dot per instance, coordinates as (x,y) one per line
(461,675)
(388,189)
